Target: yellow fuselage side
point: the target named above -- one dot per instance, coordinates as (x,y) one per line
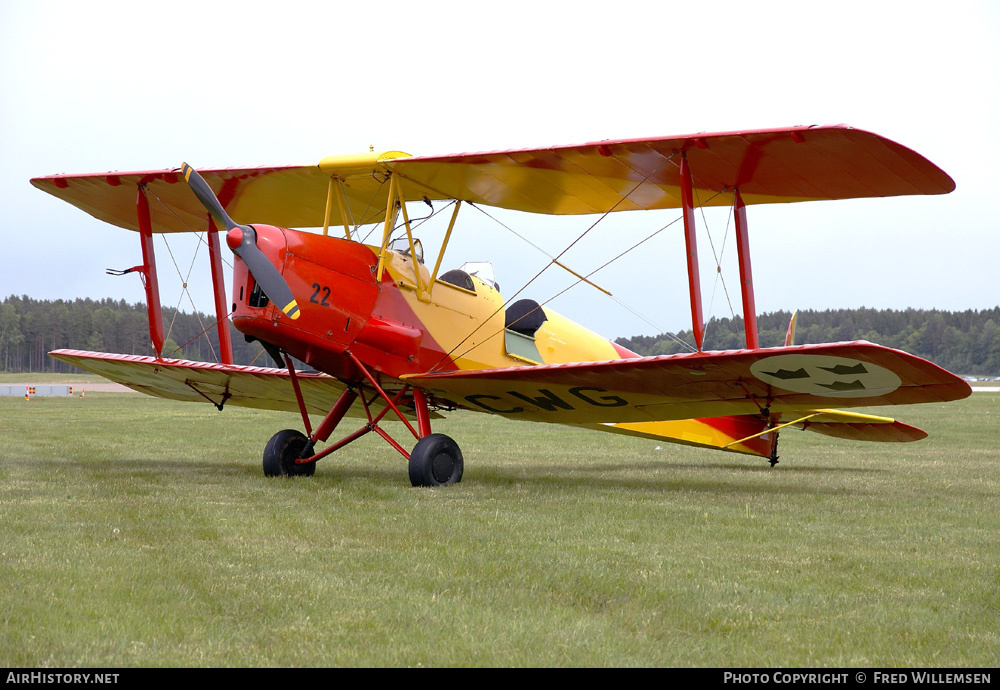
(470,324)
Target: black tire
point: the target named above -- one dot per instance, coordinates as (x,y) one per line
(280,454)
(436,460)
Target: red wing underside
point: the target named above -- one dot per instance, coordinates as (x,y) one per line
(258,387)
(701,385)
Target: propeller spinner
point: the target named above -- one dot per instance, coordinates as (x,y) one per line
(242,239)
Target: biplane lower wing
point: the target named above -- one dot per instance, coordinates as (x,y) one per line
(221,384)
(701,385)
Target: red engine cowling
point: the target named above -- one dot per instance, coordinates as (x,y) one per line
(333,281)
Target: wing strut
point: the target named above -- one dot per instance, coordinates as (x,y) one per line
(444,245)
(390,219)
(336,184)
(149,271)
(746,274)
(151,284)
(694,279)
(219,290)
(691,243)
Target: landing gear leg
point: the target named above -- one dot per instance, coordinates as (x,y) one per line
(436,459)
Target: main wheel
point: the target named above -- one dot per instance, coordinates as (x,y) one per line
(436,460)
(280,454)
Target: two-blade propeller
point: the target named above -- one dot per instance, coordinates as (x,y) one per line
(242,239)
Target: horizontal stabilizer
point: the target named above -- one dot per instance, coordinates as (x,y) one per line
(752,435)
(738,434)
(860,427)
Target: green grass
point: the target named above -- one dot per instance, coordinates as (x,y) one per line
(141,532)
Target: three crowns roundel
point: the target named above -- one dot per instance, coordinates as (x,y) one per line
(825,376)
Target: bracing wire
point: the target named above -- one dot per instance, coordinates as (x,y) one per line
(203,331)
(592,226)
(717,256)
(184,280)
(580,280)
(184,290)
(367,208)
(604,215)
(670,335)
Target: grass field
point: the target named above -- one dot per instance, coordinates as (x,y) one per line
(139,532)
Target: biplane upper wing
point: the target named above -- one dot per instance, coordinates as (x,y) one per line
(287,196)
(767,166)
(701,385)
(221,384)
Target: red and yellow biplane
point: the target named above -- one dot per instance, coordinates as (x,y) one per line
(388,335)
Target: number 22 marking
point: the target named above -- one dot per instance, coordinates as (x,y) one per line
(326,294)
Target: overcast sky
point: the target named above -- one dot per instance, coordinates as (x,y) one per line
(98,86)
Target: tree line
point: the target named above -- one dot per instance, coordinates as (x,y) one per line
(966,342)
(30,328)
